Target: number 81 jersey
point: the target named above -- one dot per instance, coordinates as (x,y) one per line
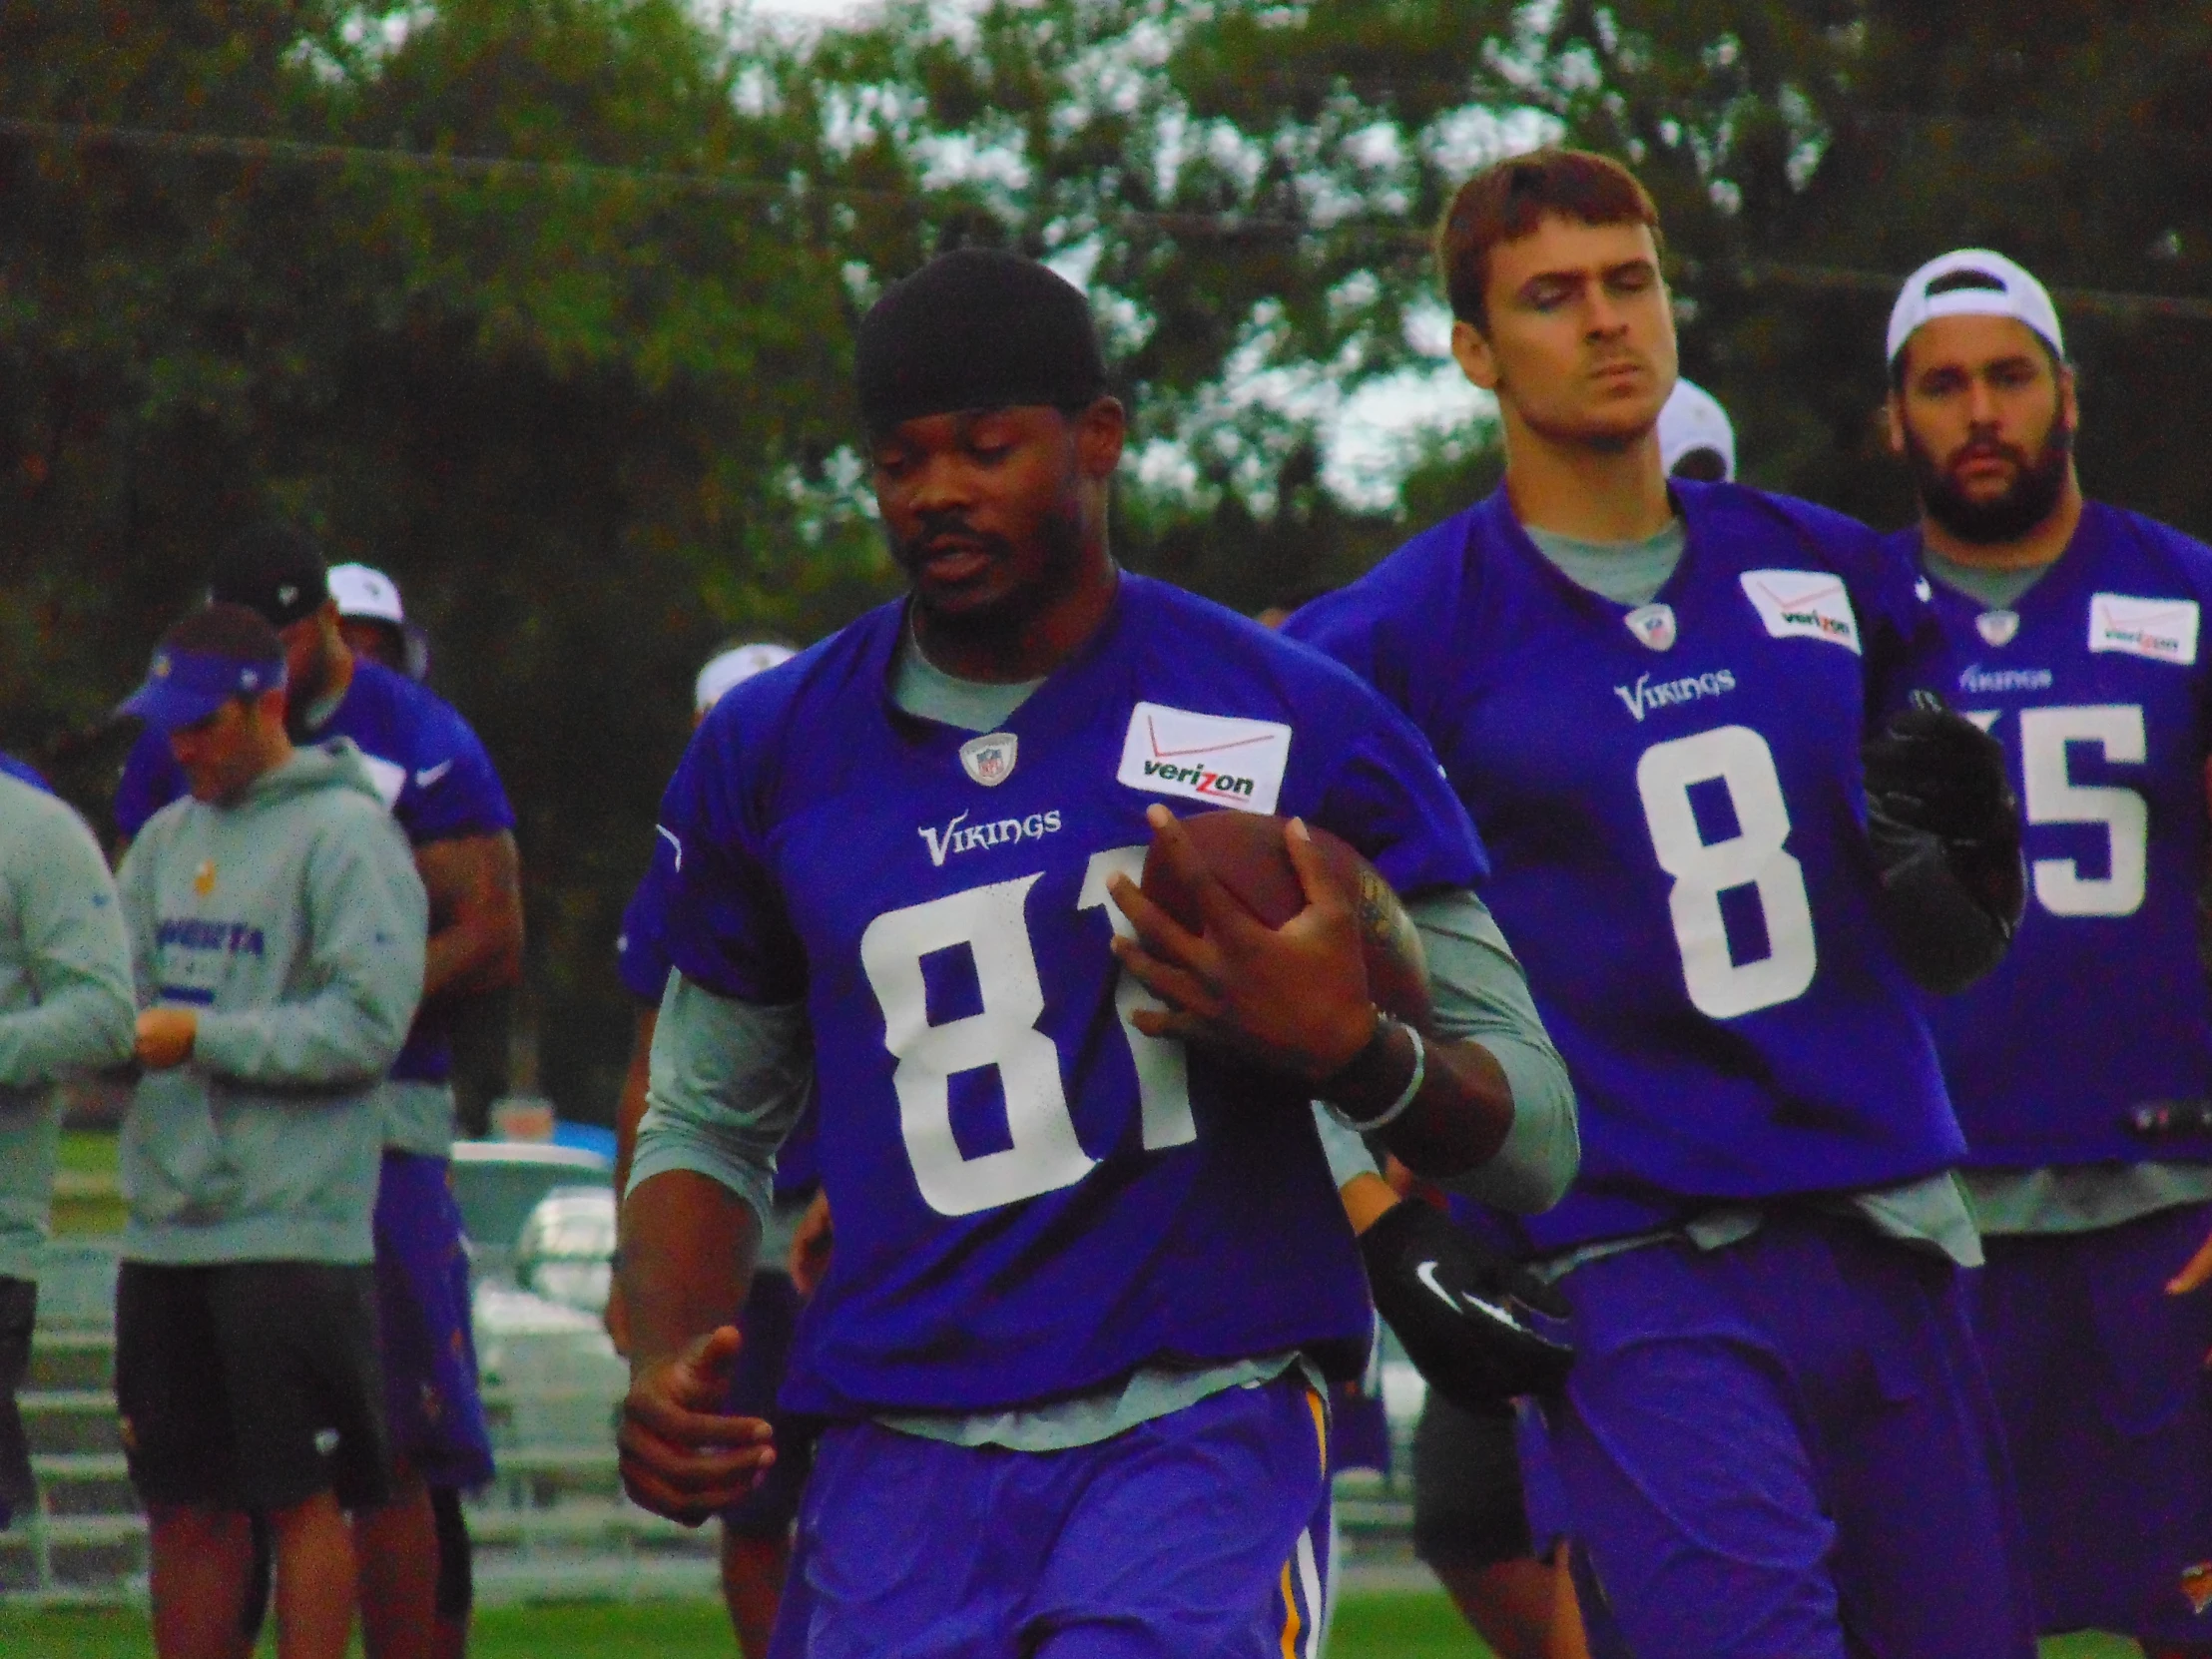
(1673,805)
(1032,1197)
(2095,683)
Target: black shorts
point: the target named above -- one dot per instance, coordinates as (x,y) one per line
(250,1384)
(18,1304)
(1469,1507)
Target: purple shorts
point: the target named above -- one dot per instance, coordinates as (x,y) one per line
(2099,1376)
(1188,1534)
(1304,1599)
(433,1409)
(768,1322)
(1768,1445)
(1359,1429)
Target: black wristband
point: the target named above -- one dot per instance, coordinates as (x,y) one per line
(1368,1086)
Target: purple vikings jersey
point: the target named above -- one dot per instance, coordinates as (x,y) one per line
(1672,800)
(428,767)
(22,773)
(1032,1197)
(2096,684)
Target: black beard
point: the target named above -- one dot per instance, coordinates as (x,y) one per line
(303,694)
(2032,498)
(1061,533)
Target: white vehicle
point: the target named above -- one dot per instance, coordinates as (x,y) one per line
(541,1230)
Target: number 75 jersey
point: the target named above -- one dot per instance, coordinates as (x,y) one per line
(1672,801)
(2096,684)
(1032,1197)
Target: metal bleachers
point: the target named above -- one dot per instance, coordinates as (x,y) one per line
(554,1523)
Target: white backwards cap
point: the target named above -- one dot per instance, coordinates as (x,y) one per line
(1972,281)
(1694,419)
(732,668)
(363,592)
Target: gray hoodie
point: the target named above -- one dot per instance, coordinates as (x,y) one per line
(65,999)
(292,921)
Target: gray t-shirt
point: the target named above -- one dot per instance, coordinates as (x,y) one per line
(1998,588)
(1626,572)
(729,1079)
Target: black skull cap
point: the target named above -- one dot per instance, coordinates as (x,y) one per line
(272,569)
(977,329)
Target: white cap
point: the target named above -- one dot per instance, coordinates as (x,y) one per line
(363,592)
(2004,290)
(1694,419)
(732,668)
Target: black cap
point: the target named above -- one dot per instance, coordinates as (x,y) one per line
(978,329)
(272,569)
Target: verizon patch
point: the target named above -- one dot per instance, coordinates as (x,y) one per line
(1217,758)
(2164,630)
(1803,604)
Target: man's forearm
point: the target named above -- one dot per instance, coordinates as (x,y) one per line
(475,889)
(470,957)
(688,1246)
(1458,1117)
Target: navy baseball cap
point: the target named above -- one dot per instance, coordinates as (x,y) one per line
(214,655)
(272,569)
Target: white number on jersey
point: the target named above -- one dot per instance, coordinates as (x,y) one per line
(1754,857)
(2053,798)
(1163,1076)
(1003,1034)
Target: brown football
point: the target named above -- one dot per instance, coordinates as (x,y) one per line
(1245,854)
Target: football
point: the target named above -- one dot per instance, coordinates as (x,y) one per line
(1245,854)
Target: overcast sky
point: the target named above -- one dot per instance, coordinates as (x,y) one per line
(1370,436)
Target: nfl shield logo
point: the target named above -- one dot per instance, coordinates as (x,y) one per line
(989,759)
(1997,626)
(1653,626)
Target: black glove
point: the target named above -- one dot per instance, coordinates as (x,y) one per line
(1457,1307)
(1937,787)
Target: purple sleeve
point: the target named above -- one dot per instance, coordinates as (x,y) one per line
(151,781)
(451,790)
(641,952)
(1903,630)
(23,773)
(1898,625)
(1389,799)
(723,919)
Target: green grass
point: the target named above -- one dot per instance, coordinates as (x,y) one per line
(88,1151)
(86,1199)
(1410,1626)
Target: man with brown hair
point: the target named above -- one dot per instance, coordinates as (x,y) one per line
(1727,883)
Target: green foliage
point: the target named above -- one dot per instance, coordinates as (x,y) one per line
(580,413)
(544,306)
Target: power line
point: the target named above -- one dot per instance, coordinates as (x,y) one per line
(2106,302)
(302,153)
(1190,224)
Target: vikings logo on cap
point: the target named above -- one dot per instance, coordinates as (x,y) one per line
(1653,626)
(989,759)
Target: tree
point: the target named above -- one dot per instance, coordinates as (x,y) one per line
(578,406)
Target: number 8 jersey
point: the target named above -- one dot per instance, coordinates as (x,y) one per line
(1672,801)
(2095,683)
(1033,1198)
